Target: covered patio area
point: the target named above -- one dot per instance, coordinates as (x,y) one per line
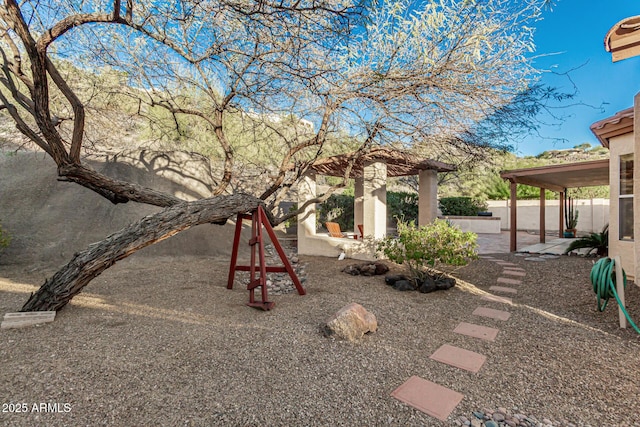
(370,172)
(557,178)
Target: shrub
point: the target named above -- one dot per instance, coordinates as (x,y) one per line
(5,238)
(402,206)
(598,242)
(421,249)
(337,208)
(461,206)
(293,221)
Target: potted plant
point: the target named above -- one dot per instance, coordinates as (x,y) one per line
(570,217)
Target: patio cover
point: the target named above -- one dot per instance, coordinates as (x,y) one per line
(556,178)
(560,177)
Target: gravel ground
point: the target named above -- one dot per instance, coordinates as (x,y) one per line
(161,341)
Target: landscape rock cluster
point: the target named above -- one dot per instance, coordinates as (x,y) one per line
(429,284)
(366,269)
(279,283)
(502,417)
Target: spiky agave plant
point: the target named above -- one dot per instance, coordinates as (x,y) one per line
(595,241)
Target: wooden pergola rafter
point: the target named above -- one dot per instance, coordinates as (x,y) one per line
(399,163)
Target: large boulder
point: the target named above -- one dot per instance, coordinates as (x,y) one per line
(351,322)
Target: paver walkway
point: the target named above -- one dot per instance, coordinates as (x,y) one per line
(436,400)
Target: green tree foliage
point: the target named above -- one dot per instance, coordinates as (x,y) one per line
(401,206)
(422,249)
(337,208)
(499,189)
(461,206)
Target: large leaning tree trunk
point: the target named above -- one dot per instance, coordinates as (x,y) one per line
(51,112)
(277,84)
(91,262)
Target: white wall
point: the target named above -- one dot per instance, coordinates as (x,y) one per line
(594,214)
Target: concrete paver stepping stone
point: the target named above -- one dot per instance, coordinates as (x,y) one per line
(508,264)
(509,281)
(22,319)
(476,331)
(459,357)
(514,273)
(428,397)
(496,298)
(514,268)
(535,259)
(503,289)
(491,313)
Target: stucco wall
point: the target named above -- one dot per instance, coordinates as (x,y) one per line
(594,214)
(619,146)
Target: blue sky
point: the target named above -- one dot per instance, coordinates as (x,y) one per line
(571,37)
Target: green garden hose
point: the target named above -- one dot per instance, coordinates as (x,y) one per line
(603,279)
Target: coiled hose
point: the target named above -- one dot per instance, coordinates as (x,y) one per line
(603,279)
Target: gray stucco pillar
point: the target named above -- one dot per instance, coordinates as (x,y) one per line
(358,204)
(427,196)
(375,200)
(636,184)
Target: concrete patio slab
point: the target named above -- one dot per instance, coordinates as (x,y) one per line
(477,331)
(428,397)
(503,289)
(491,313)
(554,247)
(489,243)
(496,298)
(459,357)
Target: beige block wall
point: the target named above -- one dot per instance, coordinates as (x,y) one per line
(594,214)
(619,146)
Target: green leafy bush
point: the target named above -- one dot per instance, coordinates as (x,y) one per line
(598,242)
(421,249)
(337,208)
(402,206)
(461,206)
(5,238)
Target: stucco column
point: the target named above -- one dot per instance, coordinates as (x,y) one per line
(358,204)
(561,214)
(375,200)
(543,219)
(307,218)
(427,196)
(636,184)
(513,227)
